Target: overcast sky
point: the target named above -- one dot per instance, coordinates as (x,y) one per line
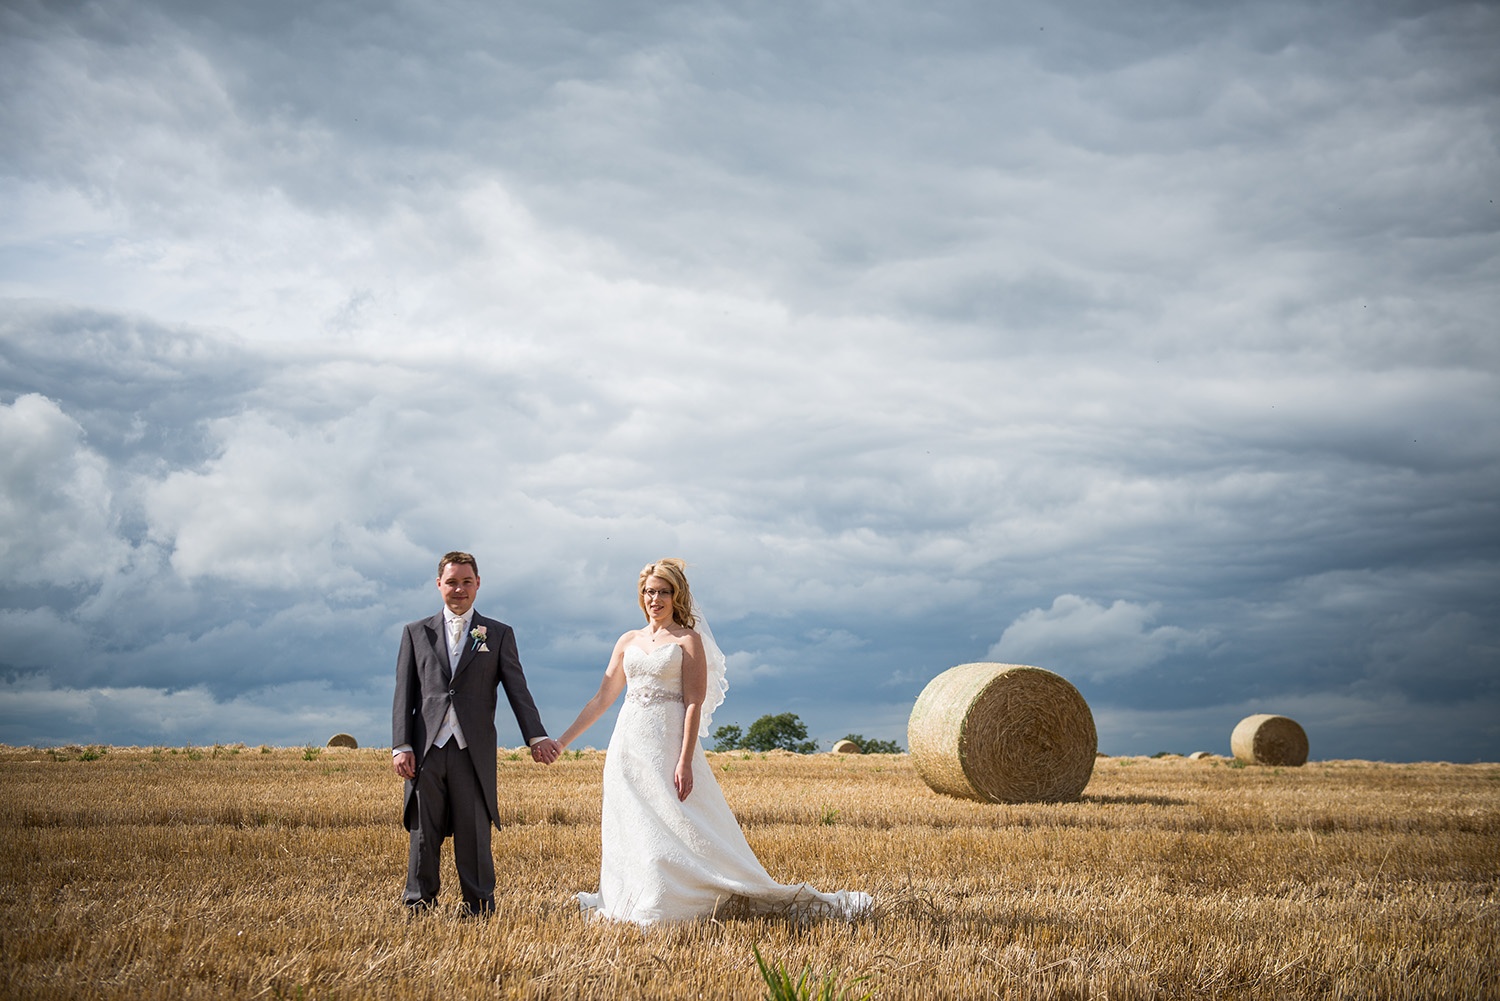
(1151,343)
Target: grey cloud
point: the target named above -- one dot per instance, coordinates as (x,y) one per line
(1094,639)
(140,391)
(56,491)
(301,713)
(899,324)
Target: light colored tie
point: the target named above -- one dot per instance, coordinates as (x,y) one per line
(455,641)
(450,727)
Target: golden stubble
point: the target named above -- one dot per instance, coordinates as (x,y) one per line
(234,872)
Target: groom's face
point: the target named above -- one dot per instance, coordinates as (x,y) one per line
(458,583)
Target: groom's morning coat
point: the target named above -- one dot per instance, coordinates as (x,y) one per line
(425,688)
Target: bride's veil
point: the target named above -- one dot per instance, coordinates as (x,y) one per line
(718,683)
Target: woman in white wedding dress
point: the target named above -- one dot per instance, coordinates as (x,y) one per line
(672,850)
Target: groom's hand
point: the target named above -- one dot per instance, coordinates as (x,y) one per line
(545,750)
(405,764)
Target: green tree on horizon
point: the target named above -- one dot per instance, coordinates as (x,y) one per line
(783,731)
(728,737)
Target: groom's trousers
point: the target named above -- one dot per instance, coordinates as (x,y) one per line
(450,801)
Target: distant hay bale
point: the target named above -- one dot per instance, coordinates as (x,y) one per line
(1269,740)
(1200,755)
(342,740)
(1003,733)
(846,747)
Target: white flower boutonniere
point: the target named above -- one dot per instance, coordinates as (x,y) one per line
(480,634)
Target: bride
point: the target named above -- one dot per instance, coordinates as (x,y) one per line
(672,850)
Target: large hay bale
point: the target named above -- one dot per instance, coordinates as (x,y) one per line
(1003,733)
(342,740)
(846,747)
(1269,740)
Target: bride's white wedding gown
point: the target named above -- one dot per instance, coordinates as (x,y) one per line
(670,860)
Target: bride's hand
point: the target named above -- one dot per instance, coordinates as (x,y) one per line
(683,780)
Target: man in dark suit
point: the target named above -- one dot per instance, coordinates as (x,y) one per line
(448,674)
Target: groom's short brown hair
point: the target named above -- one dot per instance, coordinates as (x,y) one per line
(457,557)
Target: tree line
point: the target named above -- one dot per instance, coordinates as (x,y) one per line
(785,732)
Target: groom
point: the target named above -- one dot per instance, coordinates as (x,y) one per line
(443,735)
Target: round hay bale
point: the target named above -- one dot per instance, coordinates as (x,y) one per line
(1003,733)
(1200,755)
(845,747)
(342,740)
(1269,740)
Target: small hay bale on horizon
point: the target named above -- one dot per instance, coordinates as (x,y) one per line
(1003,733)
(1200,755)
(845,747)
(342,740)
(1264,739)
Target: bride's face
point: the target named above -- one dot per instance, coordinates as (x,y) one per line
(657,595)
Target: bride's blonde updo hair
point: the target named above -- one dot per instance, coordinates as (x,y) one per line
(671,570)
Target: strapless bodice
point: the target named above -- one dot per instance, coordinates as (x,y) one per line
(653,676)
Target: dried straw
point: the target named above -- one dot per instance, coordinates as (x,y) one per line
(1269,740)
(845,747)
(342,740)
(1003,733)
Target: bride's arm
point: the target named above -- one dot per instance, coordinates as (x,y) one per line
(609,690)
(694,690)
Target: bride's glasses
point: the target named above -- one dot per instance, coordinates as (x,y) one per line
(652,592)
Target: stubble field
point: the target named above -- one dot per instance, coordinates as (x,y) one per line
(233,872)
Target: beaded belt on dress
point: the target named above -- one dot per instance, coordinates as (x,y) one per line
(651,696)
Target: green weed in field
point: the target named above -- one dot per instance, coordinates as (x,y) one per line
(781,987)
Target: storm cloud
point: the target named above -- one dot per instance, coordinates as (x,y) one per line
(1151,344)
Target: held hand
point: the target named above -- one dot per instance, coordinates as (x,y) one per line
(683,780)
(405,764)
(546,751)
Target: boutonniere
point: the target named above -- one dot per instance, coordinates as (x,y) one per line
(480,634)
